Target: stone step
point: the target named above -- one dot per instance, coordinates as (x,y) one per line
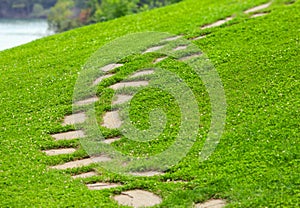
(63,151)
(86,101)
(142,73)
(199,37)
(129,84)
(258,15)
(122,99)
(69,135)
(101,186)
(185,58)
(111,140)
(159,59)
(98,80)
(112,120)
(85,175)
(257,8)
(173,38)
(217,23)
(213,203)
(178,48)
(74,119)
(146,173)
(110,67)
(138,198)
(81,163)
(153,49)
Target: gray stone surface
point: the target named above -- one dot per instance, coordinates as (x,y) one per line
(185,58)
(199,37)
(153,49)
(258,15)
(111,140)
(112,120)
(142,73)
(138,198)
(129,84)
(69,135)
(173,38)
(87,101)
(119,99)
(180,48)
(101,186)
(217,23)
(81,163)
(98,80)
(147,173)
(74,119)
(159,59)
(63,151)
(85,175)
(110,67)
(213,203)
(257,8)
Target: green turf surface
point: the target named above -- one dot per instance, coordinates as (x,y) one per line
(256,163)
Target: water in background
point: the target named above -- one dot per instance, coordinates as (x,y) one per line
(17,32)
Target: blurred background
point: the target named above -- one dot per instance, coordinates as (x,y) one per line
(22,21)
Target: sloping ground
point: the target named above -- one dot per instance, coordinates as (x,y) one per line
(256,163)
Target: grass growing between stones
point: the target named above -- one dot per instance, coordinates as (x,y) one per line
(256,163)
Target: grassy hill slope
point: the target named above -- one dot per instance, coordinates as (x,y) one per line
(256,163)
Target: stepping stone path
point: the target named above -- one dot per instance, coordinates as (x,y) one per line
(101,186)
(185,58)
(138,198)
(81,163)
(86,101)
(129,84)
(97,81)
(152,49)
(53,152)
(111,140)
(147,174)
(112,120)
(180,48)
(173,38)
(122,99)
(85,175)
(69,135)
(258,15)
(74,119)
(199,37)
(142,73)
(213,203)
(216,24)
(257,8)
(159,60)
(110,67)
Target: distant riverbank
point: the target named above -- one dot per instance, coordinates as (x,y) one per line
(15,32)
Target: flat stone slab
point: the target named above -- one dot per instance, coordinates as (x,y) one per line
(213,203)
(122,99)
(129,84)
(112,120)
(159,59)
(258,15)
(199,37)
(138,198)
(185,58)
(87,101)
(218,23)
(63,151)
(85,175)
(98,80)
(153,49)
(74,119)
(111,140)
(257,8)
(173,38)
(142,73)
(101,186)
(110,67)
(81,163)
(180,48)
(146,173)
(69,135)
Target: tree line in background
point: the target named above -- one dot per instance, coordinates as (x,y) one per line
(67,14)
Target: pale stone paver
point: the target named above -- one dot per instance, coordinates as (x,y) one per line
(142,73)
(199,37)
(110,67)
(213,203)
(138,198)
(69,135)
(85,175)
(112,120)
(218,23)
(173,38)
(180,48)
(87,101)
(81,163)
(185,58)
(129,84)
(74,119)
(101,186)
(146,173)
(153,49)
(98,80)
(111,140)
(53,152)
(258,15)
(159,59)
(122,99)
(257,8)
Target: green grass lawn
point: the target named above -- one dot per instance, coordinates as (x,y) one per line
(256,163)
